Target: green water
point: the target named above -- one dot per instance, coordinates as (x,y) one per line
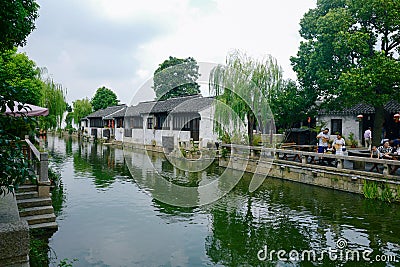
(107,216)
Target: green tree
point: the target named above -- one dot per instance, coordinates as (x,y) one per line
(18,71)
(53,98)
(290,104)
(81,108)
(17,22)
(176,77)
(351,53)
(246,86)
(103,98)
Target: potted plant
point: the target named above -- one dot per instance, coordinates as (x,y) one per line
(351,141)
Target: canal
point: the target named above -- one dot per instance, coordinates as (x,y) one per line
(108,215)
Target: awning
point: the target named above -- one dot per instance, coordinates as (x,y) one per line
(27,110)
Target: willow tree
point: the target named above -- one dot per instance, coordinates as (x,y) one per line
(81,108)
(350,53)
(242,88)
(53,98)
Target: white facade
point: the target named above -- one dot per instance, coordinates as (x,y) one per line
(147,136)
(349,124)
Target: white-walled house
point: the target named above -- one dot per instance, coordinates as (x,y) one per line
(100,124)
(166,123)
(346,121)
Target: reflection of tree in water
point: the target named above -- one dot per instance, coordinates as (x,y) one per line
(285,215)
(173,214)
(68,146)
(238,232)
(99,161)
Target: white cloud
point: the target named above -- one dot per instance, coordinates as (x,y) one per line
(120,43)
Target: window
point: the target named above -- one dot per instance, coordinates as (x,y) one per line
(150,123)
(336,126)
(137,122)
(96,122)
(128,132)
(120,123)
(162,122)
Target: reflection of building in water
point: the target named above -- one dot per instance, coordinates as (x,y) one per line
(167,183)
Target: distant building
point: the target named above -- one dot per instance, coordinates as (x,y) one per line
(346,121)
(156,123)
(100,124)
(165,123)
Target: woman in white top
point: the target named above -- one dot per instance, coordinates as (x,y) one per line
(339,144)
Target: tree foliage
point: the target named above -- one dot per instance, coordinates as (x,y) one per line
(103,98)
(17,82)
(18,71)
(244,89)
(17,22)
(53,98)
(81,108)
(290,104)
(176,77)
(351,53)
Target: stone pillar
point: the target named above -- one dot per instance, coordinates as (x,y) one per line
(340,164)
(14,234)
(386,169)
(44,182)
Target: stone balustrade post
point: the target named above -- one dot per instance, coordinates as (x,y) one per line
(44,182)
(386,169)
(304,159)
(340,164)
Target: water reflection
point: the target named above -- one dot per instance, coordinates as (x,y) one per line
(121,223)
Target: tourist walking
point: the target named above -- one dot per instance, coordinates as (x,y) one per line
(368,138)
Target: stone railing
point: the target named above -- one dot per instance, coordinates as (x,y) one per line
(312,158)
(40,166)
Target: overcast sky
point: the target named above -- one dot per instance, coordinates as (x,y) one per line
(119,43)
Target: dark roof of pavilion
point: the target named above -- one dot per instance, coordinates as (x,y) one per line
(101,113)
(117,114)
(362,108)
(186,104)
(193,105)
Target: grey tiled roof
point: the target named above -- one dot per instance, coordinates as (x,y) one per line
(141,108)
(101,113)
(117,114)
(170,104)
(194,105)
(392,107)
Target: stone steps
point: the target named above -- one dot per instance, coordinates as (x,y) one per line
(40,219)
(26,188)
(38,212)
(33,202)
(50,225)
(26,195)
(24,212)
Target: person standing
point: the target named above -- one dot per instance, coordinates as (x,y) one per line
(339,144)
(368,138)
(323,139)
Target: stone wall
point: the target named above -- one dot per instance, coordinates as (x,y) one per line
(14,234)
(329,177)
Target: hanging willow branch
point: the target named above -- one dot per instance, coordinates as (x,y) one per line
(245,85)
